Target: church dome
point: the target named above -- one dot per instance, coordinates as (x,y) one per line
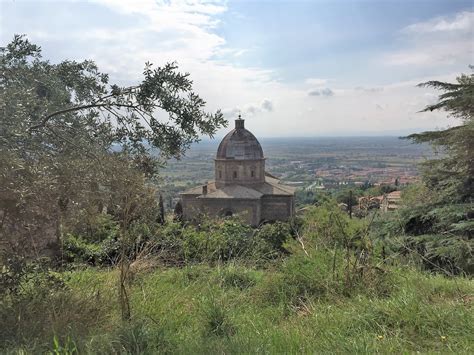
(240,144)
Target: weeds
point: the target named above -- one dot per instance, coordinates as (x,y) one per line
(216,318)
(240,278)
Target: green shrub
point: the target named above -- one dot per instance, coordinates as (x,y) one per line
(328,226)
(271,238)
(42,307)
(299,278)
(218,241)
(76,249)
(439,238)
(322,276)
(94,227)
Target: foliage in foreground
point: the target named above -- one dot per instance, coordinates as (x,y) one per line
(298,306)
(179,244)
(328,291)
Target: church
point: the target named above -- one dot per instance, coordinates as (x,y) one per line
(241,187)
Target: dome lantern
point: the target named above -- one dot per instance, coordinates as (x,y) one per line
(239,123)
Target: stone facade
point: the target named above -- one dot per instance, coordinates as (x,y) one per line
(241,186)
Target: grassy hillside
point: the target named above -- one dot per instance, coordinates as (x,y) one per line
(318,284)
(296,305)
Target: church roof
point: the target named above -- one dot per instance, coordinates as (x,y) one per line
(271,187)
(234,191)
(239,144)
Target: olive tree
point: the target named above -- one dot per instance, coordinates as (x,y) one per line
(67,134)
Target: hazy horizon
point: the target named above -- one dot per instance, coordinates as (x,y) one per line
(380,134)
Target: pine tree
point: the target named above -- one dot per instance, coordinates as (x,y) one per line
(452,175)
(438,223)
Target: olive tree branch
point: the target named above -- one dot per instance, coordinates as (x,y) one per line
(79,108)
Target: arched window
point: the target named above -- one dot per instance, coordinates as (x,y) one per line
(235,174)
(252,173)
(220,174)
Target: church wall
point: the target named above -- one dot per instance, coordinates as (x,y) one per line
(247,210)
(269,208)
(277,208)
(191,206)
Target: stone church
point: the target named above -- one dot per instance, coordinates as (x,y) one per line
(241,187)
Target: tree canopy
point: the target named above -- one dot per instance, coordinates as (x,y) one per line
(436,223)
(452,175)
(71,141)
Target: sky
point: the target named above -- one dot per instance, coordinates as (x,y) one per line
(291,68)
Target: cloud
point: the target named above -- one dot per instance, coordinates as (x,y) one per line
(321,92)
(249,109)
(461,22)
(316,81)
(369,89)
(267,105)
(440,41)
(459,51)
(230,113)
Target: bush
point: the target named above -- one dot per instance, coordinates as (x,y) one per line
(40,306)
(274,236)
(327,226)
(322,276)
(219,241)
(438,237)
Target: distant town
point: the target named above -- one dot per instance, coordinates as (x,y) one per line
(312,164)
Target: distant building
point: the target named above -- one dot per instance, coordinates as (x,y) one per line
(386,202)
(391,201)
(242,186)
(370,202)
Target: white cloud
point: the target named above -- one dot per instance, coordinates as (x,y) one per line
(461,22)
(433,53)
(316,81)
(321,92)
(440,41)
(249,110)
(369,89)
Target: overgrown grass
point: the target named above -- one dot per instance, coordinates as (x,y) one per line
(300,305)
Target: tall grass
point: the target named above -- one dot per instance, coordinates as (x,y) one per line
(298,307)
(315,302)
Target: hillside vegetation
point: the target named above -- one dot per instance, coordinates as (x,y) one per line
(336,294)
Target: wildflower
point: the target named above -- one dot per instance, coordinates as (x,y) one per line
(379,337)
(443,338)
